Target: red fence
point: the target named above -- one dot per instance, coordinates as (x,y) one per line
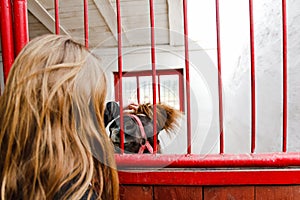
(236,169)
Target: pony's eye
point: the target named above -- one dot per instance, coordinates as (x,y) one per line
(117,144)
(129,126)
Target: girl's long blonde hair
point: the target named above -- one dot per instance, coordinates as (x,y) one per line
(51,124)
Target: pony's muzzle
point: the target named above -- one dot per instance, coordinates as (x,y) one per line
(115,136)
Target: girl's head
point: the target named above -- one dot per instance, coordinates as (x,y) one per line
(51,123)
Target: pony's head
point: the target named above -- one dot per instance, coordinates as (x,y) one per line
(138,126)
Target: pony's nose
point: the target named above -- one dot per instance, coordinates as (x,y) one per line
(115,136)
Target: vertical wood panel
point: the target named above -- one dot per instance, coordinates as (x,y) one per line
(136,192)
(234,192)
(277,192)
(177,192)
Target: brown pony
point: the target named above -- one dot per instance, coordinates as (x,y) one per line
(138,125)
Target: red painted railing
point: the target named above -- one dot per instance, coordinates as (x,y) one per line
(120,70)
(20,24)
(86,23)
(209,161)
(187,81)
(153,61)
(225,177)
(14,31)
(253,91)
(220,88)
(7,36)
(285,86)
(56,9)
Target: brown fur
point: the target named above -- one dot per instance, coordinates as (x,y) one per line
(167,116)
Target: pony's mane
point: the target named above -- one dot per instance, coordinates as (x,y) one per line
(167,116)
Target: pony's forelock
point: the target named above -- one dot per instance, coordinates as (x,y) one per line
(167,116)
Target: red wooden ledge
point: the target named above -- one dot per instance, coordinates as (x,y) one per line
(211,177)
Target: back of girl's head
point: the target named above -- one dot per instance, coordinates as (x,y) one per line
(51,121)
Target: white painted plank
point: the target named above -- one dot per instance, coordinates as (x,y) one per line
(43,16)
(108,13)
(175,9)
(36,28)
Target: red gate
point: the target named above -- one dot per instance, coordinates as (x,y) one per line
(188,175)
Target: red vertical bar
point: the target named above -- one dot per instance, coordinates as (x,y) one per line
(153,74)
(187,71)
(57,28)
(253,103)
(20,24)
(86,23)
(285,84)
(181,96)
(219,78)
(138,94)
(116,85)
(120,69)
(158,83)
(7,40)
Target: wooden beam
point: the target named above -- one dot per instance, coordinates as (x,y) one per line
(43,16)
(110,17)
(175,22)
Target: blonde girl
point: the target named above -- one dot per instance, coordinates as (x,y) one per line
(52,137)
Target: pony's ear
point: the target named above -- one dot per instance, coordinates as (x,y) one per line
(167,117)
(112,110)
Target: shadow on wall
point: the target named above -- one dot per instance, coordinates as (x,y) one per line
(268,63)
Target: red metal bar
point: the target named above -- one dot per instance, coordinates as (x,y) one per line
(7,40)
(211,177)
(181,97)
(253,103)
(86,23)
(57,28)
(138,92)
(116,86)
(219,78)
(149,73)
(20,25)
(120,70)
(206,161)
(187,72)
(285,84)
(158,83)
(153,74)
